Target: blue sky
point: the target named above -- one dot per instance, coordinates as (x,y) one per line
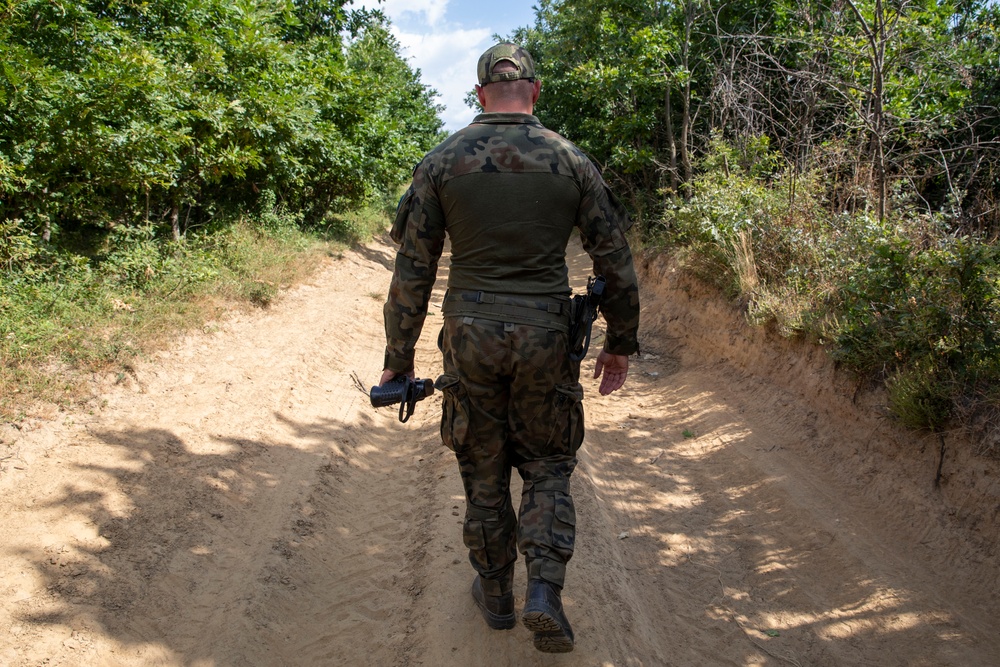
(444,39)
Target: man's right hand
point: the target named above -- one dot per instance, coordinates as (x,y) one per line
(388,375)
(615,369)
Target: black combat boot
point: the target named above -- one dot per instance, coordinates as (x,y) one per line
(498,610)
(543,615)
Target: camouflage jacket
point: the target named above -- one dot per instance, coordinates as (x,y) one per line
(508,193)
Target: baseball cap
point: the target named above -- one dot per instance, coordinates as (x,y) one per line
(510,52)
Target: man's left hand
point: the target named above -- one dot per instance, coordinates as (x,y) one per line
(615,369)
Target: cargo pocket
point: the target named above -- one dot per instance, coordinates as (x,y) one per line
(564,526)
(402,214)
(567,427)
(454,412)
(474,536)
(619,219)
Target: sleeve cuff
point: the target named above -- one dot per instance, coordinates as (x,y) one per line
(624,345)
(396,363)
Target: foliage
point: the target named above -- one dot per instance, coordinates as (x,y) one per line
(901,301)
(158,155)
(926,318)
(122,114)
(604,67)
(833,165)
(895,102)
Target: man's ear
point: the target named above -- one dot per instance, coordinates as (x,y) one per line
(536,88)
(481,94)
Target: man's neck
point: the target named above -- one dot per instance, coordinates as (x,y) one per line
(509,108)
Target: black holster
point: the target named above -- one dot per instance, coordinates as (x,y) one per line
(582,313)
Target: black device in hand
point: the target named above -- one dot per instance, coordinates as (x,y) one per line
(403,390)
(583,312)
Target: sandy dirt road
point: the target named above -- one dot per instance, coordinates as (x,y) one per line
(237,502)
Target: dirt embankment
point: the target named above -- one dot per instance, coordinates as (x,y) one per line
(236,502)
(944,498)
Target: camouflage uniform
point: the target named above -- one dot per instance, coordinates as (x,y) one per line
(508,193)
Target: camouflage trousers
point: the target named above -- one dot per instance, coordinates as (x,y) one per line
(512,399)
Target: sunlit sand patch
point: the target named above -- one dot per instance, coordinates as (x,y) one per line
(683,548)
(698,445)
(210,447)
(684,497)
(738,493)
(216,484)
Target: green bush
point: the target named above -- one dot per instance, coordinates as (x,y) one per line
(18,246)
(921,394)
(759,236)
(900,301)
(274,218)
(135,257)
(927,318)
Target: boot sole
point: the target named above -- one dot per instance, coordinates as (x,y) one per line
(549,635)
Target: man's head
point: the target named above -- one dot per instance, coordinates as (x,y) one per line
(507,80)
(523,64)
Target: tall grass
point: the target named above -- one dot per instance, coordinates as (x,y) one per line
(906,302)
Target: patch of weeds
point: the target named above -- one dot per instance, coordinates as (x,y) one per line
(359,226)
(687,433)
(65,316)
(273,218)
(919,396)
(260,293)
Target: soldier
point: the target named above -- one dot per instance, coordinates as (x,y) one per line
(508,193)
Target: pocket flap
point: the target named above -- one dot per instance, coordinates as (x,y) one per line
(473,535)
(565,512)
(574,392)
(446,382)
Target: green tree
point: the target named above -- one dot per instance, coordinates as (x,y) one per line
(177,112)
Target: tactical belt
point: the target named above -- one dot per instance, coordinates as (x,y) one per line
(548,311)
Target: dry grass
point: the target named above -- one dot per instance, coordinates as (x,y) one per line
(741,258)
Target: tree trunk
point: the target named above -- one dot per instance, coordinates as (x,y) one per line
(671,140)
(686,100)
(175,217)
(878,36)
(879,120)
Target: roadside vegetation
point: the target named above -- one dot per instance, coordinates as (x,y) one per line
(833,166)
(162,160)
(67,317)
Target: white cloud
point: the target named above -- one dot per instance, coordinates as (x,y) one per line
(447,61)
(446,52)
(428,11)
